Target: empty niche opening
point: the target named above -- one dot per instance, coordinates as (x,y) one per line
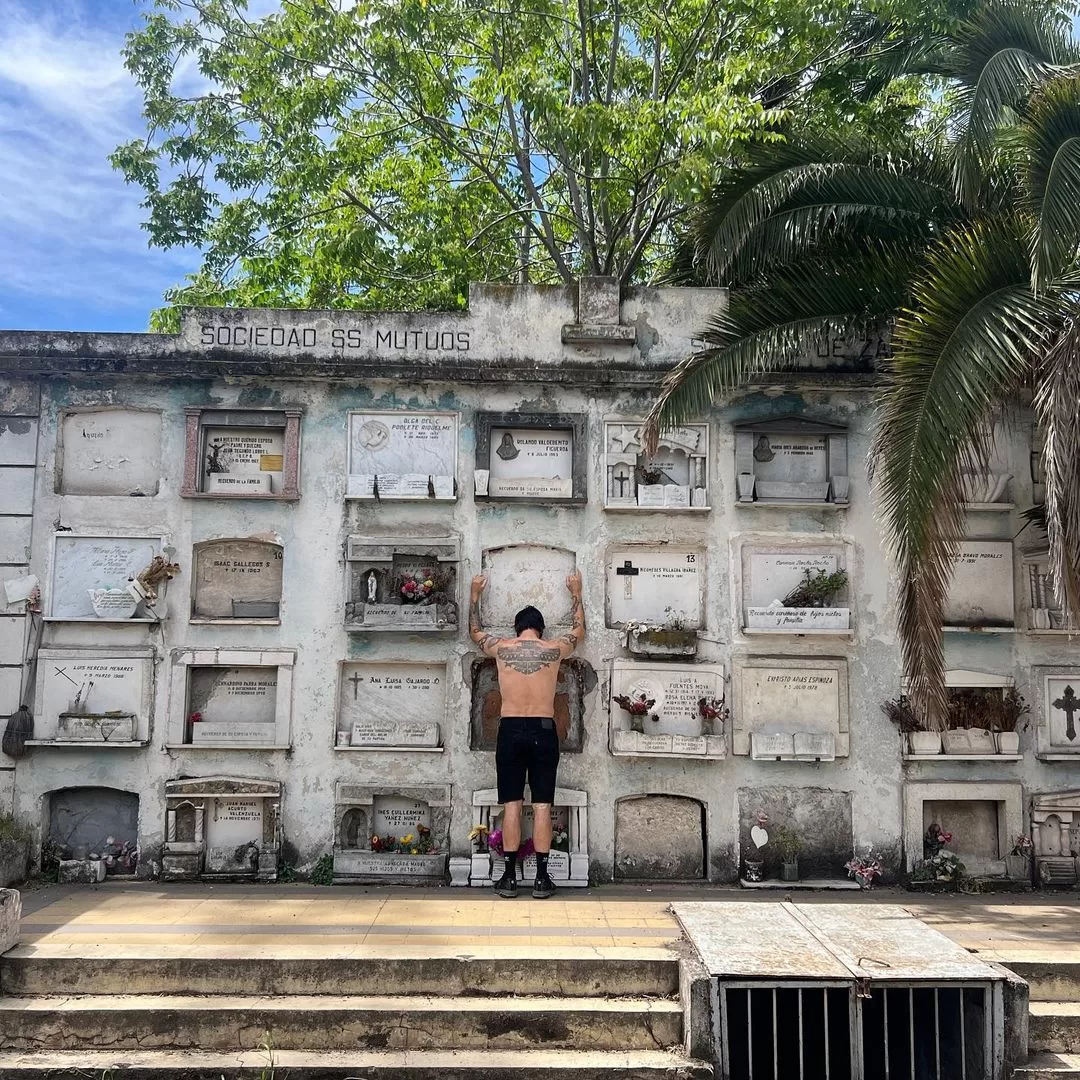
(237,579)
(660,838)
(353,831)
(232,706)
(975,828)
(576,680)
(99,821)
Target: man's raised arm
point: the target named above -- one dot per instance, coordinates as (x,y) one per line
(487,643)
(569,641)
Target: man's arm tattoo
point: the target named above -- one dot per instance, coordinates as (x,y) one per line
(577,623)
(485,641)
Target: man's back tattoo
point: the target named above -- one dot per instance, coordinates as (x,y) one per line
(528,657)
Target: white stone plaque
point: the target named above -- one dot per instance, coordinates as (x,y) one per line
(392,704)
(774,574)
(651,743)
(90,688)
(797,459)
(981,590)
(1062,712)
(238,732)
(111,452)
(237,579)
(772,744)
(526,574)
(394,864)
(396,816)
(658,588)
(252,484)
(232,822)
(797,620)
(243,452)
(808,744)
(690,745)
(531,463)
(101,727)
(402,452)
(82,563)
(233,696)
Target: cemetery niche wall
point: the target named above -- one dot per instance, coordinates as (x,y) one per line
(88,697)
(237,581)
(657,595)
(114,451)
(791,460)
(667,710)
(790,709)
(222,828)
(676,477)
(242,453)
(390,833)
(402,455)
(391,706)
(531,457)
(981,593)
(569,860)
(93,831)
(795,589)
(401,583)
(660,837)
(100,578)
(523,574)
(230,699)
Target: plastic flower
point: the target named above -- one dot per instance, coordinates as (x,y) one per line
(376,844)
(495,841)
(406,840)
(423,830)
(195,717)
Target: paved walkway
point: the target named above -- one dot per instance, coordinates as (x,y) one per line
(304,920)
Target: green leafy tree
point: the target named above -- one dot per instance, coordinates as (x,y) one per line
(965,243)
(383,153)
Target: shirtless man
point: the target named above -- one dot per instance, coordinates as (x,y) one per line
(528,740)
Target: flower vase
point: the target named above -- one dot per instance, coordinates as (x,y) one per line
(1008,742)
(637,723)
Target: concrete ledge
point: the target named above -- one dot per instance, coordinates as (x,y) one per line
(10,917)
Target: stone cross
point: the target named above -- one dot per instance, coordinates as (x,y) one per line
(1069,704)
(629,571)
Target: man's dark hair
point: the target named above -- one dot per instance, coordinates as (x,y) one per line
(528,618)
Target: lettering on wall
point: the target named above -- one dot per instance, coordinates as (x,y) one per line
(337,338)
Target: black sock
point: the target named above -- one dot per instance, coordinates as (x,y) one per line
(541,864)
(511,863)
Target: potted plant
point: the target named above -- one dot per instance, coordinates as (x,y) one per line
(1018,861)
(1008,720)
(809,606)
(920,741)
(661,642)
(786,845)
(976,713)
(864,869)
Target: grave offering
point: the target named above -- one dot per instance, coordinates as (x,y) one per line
(243,461)
(791,459)
(662,588)
(402,455)
(91,575)
(110,452)
(675,477)
(981,591)
(221,827)
(399,705)
(232,706)
(791,591)
(530,457)
(89,696)
(237,579)
(667,710)
(790,708)
(523,574)
(401,583)
(385,834)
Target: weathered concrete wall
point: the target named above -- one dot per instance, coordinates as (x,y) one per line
(515,361)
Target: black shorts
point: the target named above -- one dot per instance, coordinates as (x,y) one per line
(527,747)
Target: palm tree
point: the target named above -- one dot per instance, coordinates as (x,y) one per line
(963,242)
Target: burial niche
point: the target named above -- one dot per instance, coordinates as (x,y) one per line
(1059,720)
(534,457)
(109,452)
(795,590)
(237,579)
(232,706)
(980,595)
(402,455)
(668,710)
(659,838)
(383,706)
(1055,829)
(676,477)
(523,574)
(401,583)
(99,825)
(1044,612)
(791,460)
(386,833)
(99,578)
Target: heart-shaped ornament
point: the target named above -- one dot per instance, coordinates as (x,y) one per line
(759,836)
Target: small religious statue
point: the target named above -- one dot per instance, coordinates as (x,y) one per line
(507,450)
(763,451)
(214,464)
(372,587)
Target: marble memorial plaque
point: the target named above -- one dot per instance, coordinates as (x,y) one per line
(393,864)
(655,587)
(232,453)
(1062,711)
(395,816)
(404,454)
(91,687)
(809,744)
(236,705)
(237,579)
(232,822)
(981,590)
(393,704)
(108,727)
(774,574)
(526,574)
(772,744)
(111,452)
(82,563)
(531,463)
(790,459)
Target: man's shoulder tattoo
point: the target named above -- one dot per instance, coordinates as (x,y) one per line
(528,657)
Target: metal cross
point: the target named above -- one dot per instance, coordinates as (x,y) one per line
(629,571)
(356,680)
(1069,704)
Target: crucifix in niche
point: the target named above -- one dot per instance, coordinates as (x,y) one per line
(356,680)
(1069,704)
(628,571)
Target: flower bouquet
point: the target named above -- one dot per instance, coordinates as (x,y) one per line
(417,587)
(713,712)
(863,869)
(638,706)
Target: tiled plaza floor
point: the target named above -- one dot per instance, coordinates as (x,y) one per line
(302,920)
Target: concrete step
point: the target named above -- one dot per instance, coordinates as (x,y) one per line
(1054,1026)
(586,972)
(1049,1067)
(385,1065)
(1049,980)
(337,1022)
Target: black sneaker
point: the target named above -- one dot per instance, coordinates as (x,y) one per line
(506,886)
(543,887)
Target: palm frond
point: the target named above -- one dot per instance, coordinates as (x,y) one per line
(962,349)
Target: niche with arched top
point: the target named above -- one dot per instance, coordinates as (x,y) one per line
(660,838)
(237,579)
